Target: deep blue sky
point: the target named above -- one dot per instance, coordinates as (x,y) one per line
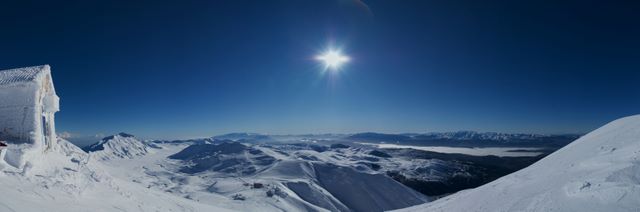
(199,68)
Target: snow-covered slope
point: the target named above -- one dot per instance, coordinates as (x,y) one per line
(251,177)
(121,145)
(226,158)
(66,179)
(598,172)
(306,177)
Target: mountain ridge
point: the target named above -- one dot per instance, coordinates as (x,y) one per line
(121,145)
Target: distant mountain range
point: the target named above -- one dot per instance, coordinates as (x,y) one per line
(468,138)
(459,138)
(242,136)
(374,136)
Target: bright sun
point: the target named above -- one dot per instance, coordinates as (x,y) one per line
(333,59)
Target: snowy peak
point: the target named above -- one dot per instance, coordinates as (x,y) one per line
(598,172)
(124,135)
(121,145)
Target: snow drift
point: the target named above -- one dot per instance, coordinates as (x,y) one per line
(598,172)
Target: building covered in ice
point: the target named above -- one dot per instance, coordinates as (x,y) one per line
(28,102)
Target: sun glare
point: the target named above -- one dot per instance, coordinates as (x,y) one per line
(333,59)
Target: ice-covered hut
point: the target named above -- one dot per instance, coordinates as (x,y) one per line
(28,102)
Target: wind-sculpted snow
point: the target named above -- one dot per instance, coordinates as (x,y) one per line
(365,192)
(314,195)
(598,172)
(66,179)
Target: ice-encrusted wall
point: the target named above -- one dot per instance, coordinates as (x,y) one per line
(17,113)
(28,103)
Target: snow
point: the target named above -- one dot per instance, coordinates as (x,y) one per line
(65,179)
(364,192)
(598,172)
(157,172)
(21,75)
(242,136)
(27,105)
(122,145)
(478,151)
(472,135)
(215,173)
(229,158)
(38,171)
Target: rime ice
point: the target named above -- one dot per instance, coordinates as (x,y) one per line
(28,102)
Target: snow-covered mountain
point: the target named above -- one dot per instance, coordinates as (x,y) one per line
(598,172)
(371,136)
(456,136)
(121,145)
(242,136)
(226,158)
(251,177)
(260,177)
(473,135)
